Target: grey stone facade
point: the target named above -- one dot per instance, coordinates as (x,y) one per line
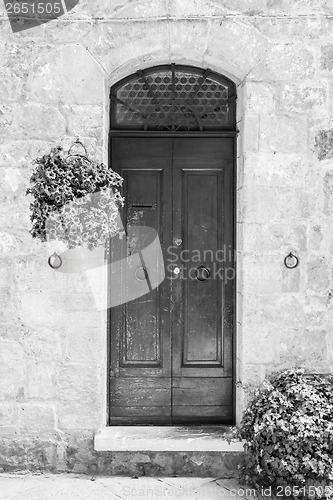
(54,86)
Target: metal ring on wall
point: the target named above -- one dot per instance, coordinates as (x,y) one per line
(291,261)
(55,261)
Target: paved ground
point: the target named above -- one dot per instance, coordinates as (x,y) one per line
(72,487)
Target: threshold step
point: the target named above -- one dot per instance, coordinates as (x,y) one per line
(167,438)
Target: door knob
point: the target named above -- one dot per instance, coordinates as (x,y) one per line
(176,270)
(178,241)
(202,273)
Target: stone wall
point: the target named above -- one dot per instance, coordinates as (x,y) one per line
(54,85)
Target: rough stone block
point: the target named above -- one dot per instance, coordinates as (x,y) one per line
(284,134)
(270,277)
(86,318)
(285,62)
(251,133)
(282,311)
(50,309)
(328,193)
(277,169)
(274,238)
(18,154)
(58,30)
(253,375)
(188,464)
(262,272)
(316,237)
(327,5)
(188,36)
(10,85)
(318,275)
(40,381)
(33,274)
(260,98)
(112,44)
(298,6)
(8,415)
(36,419)
(34,454)
(84,345)
(12,330)
(43,345)
(324,144)
(129,10)
(79,397)
(8,305)
(277,205)
(35,121)
(237,43)
(291,280)
(303,97)
(303,29)
(67,73)
(12,370)
(326,58)
(302,348)
(78,452)
(84,120)
(6,274)
(258,339)
(189,8)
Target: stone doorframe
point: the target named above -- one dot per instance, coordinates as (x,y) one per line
(103,435)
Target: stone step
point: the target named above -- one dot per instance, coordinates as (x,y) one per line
(201,451)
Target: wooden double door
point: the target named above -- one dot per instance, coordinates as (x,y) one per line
(171,350)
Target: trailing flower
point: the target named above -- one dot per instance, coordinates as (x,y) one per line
(288,428)
(76,200)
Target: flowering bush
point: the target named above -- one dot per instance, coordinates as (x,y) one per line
(75,200)
(288,428)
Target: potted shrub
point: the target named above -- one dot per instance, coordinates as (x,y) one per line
(288,428)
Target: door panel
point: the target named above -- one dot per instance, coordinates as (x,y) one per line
(202,400)
(202,330)
(171,349)
(140,376)
(202,342)
(140,400)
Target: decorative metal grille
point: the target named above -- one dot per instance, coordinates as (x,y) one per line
(174,98)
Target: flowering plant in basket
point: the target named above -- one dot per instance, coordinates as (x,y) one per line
(75,199)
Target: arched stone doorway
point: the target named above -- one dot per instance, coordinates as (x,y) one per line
(172,138)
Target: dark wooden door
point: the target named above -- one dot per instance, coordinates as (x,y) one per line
(171,349)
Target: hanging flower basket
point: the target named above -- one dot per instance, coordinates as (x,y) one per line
(76,199)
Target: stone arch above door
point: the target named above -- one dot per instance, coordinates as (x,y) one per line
(174,98)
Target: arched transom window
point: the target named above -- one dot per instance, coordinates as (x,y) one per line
(174,98)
